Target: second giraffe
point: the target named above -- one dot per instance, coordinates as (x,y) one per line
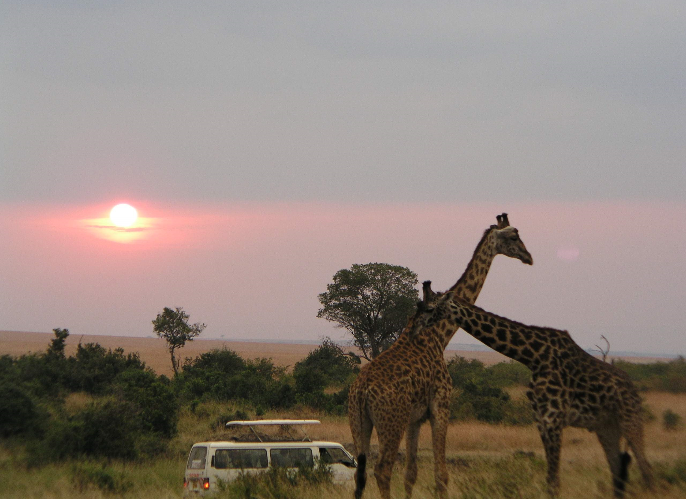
(569,387)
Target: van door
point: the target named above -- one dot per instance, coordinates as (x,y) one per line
(195,476)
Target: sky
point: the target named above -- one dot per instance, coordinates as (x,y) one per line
(267,145)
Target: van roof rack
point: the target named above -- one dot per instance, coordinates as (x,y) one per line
(285,425)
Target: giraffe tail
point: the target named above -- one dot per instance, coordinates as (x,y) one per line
(621,481)
(360,475)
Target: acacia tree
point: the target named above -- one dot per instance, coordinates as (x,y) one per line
(372,302)
(172,325)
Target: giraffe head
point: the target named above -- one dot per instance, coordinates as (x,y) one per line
(429,311)
(507,241)
(428,301)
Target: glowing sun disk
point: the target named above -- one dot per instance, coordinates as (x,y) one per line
(123,215)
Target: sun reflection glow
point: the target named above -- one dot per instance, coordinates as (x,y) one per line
(122,225)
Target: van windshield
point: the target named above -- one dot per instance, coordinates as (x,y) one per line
(333,455)
(240,458)
(196,460)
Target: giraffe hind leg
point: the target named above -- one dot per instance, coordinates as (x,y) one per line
(411,468)
(361,427)
(619,461)
(389,441)
(551,436)
(634,437)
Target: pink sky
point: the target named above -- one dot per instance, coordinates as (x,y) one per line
(253,271)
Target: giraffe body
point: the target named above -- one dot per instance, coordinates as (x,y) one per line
(409,383)
(568,387)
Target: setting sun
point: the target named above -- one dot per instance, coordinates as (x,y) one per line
(123,215)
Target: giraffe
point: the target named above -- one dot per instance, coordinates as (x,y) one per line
(569,387)
(409,382)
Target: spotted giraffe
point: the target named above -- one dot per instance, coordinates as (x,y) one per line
(568,387)
(409,383)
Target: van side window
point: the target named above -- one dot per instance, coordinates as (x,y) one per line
(240,458)
(196,460)
(292,458)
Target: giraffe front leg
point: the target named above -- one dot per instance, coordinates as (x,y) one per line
(551,436)
(411,470)
(439,432)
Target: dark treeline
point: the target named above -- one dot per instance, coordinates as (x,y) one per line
(107,404)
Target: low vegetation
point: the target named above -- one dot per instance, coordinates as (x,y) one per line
(100,423)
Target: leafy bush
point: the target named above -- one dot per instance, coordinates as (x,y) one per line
(480,401)
(479,391)
(107,429)
(93,368)
(18,413)
(327,365)
(87,475)
(501,375)
(157,407)
(671,421)
(662,376)
(673,475)
(276,482)
(223,375)
(510,373)
(464,370)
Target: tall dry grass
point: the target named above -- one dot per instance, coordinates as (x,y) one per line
(485,461)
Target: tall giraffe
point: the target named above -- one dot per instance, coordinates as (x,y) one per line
(568,387)
(409,383)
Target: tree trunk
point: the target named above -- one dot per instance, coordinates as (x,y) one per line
(173,359)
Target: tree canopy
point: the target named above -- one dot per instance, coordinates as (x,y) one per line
(372,302)
(172,325)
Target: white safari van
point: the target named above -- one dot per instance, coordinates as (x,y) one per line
(210,462)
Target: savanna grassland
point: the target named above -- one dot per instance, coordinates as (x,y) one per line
(486,460)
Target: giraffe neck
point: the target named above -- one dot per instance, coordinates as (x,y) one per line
(529,345)
(471,282)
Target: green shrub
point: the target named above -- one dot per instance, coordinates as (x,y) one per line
(277,482)
(157,407)
(675,474)
(479,393)
(671,421)
(481,402)
(326,365)
(464,370)
(222,375)
(663,376)
(108,429)
(85,476)
(93,368)
(506,374)
(18,413)
(499,375)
